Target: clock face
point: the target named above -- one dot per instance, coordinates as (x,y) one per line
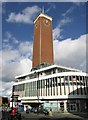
(46,22)
(36,25)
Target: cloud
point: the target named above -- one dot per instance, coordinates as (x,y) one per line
(71,53)
(13,62)
(59,28)
(66,20)
(9,55)
(26,65)
(56,33)
(6,88)
(8,35)
(65,17)
(9,38)
(25,47)
(26,16)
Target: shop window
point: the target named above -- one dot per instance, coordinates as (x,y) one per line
(73,107)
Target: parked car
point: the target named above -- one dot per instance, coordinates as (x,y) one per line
(43,111)
(33,110)
(39,110)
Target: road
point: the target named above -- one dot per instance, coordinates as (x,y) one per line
(33,116)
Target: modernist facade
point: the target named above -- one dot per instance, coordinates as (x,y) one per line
(53,87)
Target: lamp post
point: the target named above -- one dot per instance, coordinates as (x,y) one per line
(12,97)
(37,73)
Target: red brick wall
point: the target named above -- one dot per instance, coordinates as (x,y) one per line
(43,43)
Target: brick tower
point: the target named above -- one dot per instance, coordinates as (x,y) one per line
(43,43)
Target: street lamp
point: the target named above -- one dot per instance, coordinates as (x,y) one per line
(14,98)
(38,91)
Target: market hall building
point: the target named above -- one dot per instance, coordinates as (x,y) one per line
(54,87)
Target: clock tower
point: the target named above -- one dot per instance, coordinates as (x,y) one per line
(43,43)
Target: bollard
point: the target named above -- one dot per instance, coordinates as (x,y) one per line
(50,113)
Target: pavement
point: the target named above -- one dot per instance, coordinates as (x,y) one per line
(55,116)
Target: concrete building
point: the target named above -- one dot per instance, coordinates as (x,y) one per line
(4,100)
(54,87)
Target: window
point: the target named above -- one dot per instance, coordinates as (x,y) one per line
(80,77)
(54,70)
(70,83)
(77,77)
(70,78)
(66,78)
(38,84)
(43,83)
(73,107)
(62,84)
(56,81)
(66,83)
(59,84)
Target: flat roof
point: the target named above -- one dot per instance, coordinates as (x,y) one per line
(61,74)
(43,15)
(47,68)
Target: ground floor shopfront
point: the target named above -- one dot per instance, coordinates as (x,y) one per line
(66,105)
(70,105)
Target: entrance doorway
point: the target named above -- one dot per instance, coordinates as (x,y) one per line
(62,106)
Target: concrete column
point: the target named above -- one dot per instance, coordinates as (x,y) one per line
(58,106)
(65,107)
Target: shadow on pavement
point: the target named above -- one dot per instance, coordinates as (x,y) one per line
(84,115)
(65,118)
(81,105)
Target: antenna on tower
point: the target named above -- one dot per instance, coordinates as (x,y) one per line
(42,9)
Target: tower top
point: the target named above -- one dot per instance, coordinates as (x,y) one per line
(43,15)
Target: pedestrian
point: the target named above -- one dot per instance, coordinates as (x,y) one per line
(27,109)
(13,113)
